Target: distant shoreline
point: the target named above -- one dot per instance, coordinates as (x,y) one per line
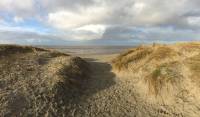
(89,50)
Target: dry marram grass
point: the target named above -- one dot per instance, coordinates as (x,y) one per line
(164,74)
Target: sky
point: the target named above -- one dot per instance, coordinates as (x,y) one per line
(112,22)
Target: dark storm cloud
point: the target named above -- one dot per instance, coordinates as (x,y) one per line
(150,34)
(118,33)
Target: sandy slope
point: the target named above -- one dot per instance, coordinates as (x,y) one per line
(38,82)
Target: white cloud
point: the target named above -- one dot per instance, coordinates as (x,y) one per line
(126,12)
(89,32)
(18,7)
(68,19)
(195,21)
(18,19)
(92,28)
(6,42)
(138,7)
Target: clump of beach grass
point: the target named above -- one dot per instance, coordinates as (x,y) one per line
(161,66)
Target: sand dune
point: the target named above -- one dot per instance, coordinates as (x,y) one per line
(146,81)
(38,82)
(165,77)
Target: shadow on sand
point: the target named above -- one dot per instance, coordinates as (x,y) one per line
(101,76)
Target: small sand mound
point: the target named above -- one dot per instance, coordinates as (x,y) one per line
(164,75)
(38,82)
(13,49)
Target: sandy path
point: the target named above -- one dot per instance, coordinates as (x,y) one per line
(105,94)
(108,95)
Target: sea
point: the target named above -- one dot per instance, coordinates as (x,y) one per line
(79,50)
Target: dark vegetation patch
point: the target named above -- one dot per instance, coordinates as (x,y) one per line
(162,75)
(6,50)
